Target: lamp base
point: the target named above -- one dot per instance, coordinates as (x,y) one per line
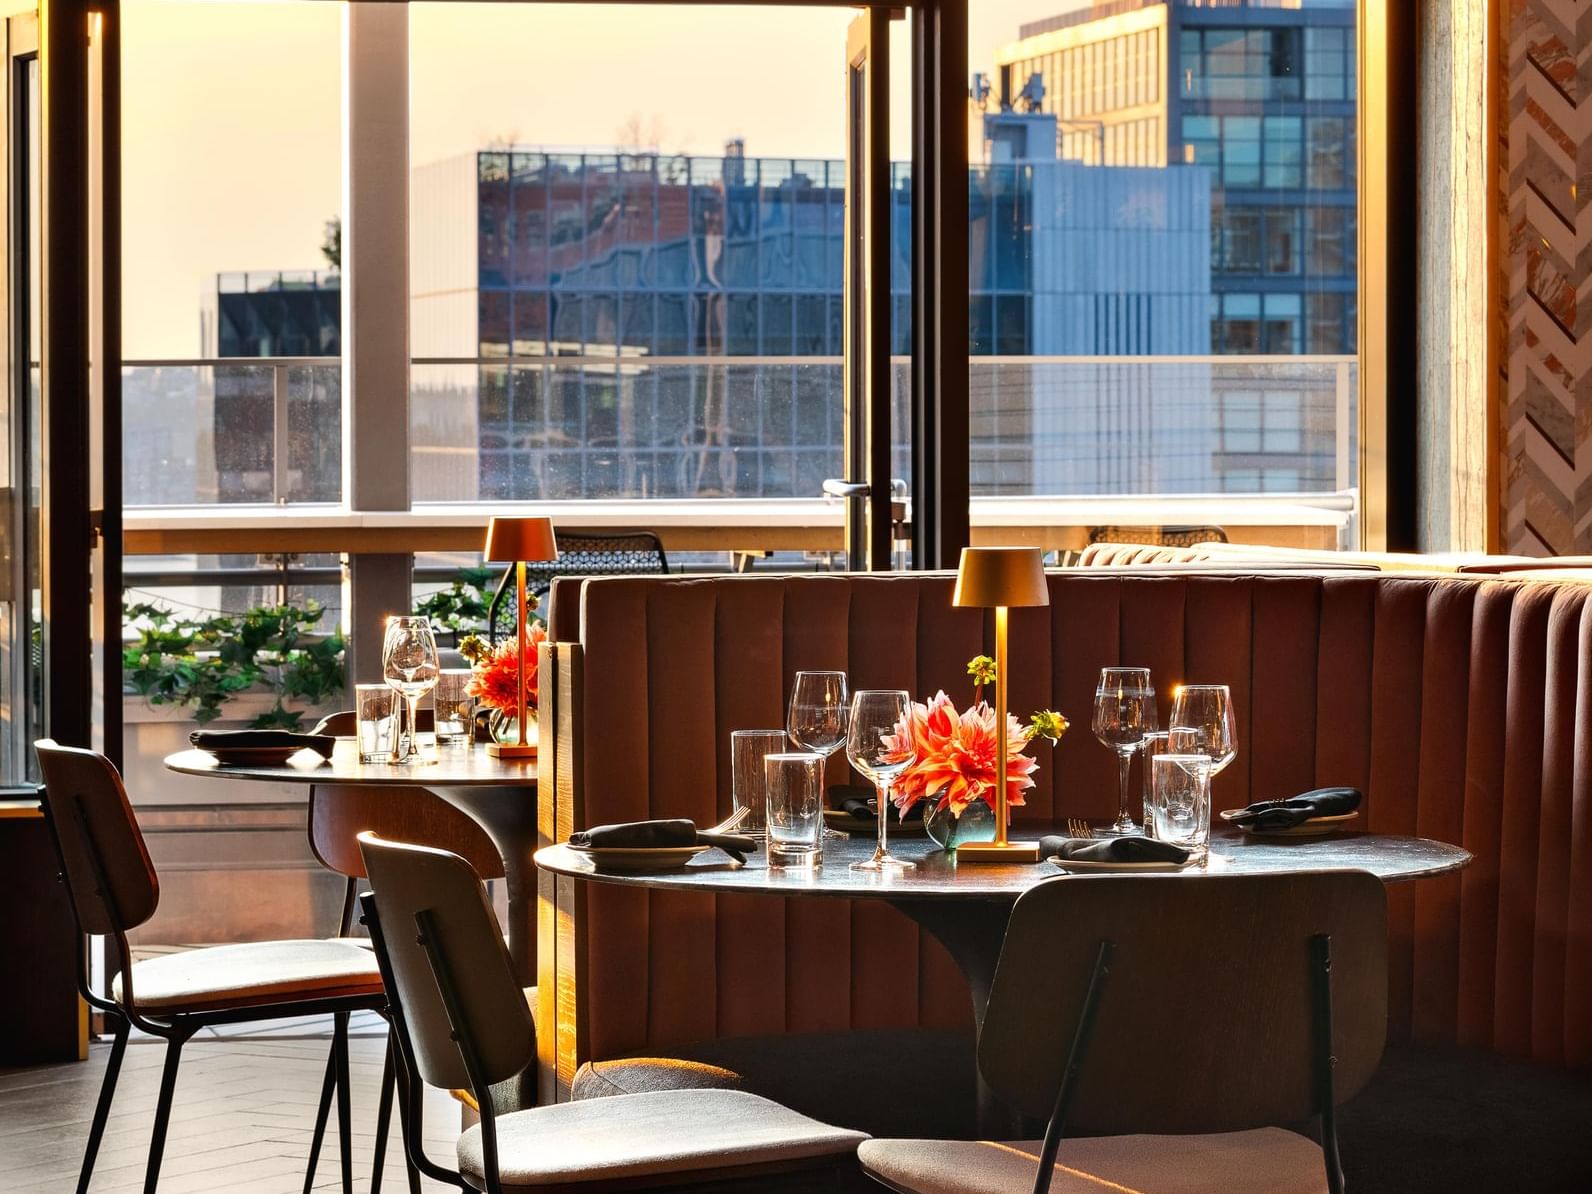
(990,852)
(511,750)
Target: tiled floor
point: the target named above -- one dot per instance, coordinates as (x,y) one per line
(241,1123)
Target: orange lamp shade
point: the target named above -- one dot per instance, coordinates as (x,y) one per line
(994,576)
(510,540)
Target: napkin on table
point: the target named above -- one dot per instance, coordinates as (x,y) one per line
(1111,849)
(223,740)
(1284,814)
(653,835)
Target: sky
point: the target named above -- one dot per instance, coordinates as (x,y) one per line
(232,113)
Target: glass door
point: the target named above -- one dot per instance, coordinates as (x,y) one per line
(21,692)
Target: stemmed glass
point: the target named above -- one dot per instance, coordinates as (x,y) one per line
(1202,724)
(875,716)
(1124,712)
(409,665)
(819,712)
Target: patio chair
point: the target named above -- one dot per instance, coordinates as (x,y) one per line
(1199,1008)
(580,553)
(113,889)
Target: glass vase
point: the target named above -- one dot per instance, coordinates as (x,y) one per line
(948,831)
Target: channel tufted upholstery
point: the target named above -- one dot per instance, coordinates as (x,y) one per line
(1452,701)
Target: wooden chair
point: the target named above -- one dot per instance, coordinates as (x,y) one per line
(461,1021)
(1200,1009)
(338,814)
(113,889)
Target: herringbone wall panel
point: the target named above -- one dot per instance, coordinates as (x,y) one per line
(1547,283)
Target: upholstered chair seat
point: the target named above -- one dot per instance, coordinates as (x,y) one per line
(641,1136)
(1262,1161)
(252,974)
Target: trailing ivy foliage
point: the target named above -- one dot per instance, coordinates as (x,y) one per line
(204,662)
(461,607)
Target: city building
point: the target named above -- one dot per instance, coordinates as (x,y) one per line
(1260,93)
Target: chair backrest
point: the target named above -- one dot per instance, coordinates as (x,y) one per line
(339,813)
(1186,536)
(419,891)
(1205,1019)
(344,723)
(109,875)
(582,554)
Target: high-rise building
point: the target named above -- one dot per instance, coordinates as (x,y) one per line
(1261,93)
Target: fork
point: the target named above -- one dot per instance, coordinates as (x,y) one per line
(1078,827)
(730,823)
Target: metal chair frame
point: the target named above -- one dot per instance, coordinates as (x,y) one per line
(176,1029)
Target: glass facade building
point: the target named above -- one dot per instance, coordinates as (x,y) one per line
(1264,96)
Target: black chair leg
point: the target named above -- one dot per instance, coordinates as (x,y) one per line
(401,1078)
(168,1087)
(383,1114)
(102,1109)
(328,1085)
(345,1132)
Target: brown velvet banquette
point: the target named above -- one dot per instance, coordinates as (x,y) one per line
(1454,702)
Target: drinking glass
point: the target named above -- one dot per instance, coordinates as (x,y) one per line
(795,808)
(409,665)
(1202,724)
(1181,801)
(748,776)
(1124,712)
(1154,744)
(876,715)
(376,722)
(455,707)
(820,709)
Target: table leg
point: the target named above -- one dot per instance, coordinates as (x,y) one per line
(508,815)
(972,932)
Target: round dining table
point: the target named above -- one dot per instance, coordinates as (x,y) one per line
(966,906)
(499,795)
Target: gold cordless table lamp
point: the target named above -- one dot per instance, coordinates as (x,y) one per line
(516,541)
(1000,577)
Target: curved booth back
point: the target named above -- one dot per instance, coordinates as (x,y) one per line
(1452,701)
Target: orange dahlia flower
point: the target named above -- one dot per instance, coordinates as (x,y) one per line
(495,681)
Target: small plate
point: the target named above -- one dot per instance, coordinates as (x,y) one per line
(839,818)
(1314,827)
(1139,868)
(640,859)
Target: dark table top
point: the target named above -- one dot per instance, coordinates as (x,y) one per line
(1392,859)
(455,766)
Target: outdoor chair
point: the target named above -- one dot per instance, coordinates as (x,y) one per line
(461,1021)
(113,889)
(1201,1009)
(1182,536)
(580,553)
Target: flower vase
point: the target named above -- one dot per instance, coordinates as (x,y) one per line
(948,831)
(505,726)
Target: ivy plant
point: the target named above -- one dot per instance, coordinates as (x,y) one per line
(203,662)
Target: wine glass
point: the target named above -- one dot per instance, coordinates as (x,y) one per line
(1124,712)
(820,710)
(409,665)
(1202,724)
(875,716)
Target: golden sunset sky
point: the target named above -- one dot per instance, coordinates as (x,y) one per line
(232,136)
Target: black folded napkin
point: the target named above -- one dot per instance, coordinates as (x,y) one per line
(857,801)
(1111,849)
(656,835)
(225,740)
(1284,814)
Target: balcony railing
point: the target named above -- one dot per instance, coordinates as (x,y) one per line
(624,429)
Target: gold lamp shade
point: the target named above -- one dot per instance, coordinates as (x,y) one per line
(511,540)
(1001,576)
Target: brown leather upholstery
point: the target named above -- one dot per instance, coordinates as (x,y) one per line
(1452,701)
(95,830)
(339,813)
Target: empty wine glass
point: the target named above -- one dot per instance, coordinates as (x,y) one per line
(409,665)
(875,716)
(1124,712)
(820,710)
(1202,724)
